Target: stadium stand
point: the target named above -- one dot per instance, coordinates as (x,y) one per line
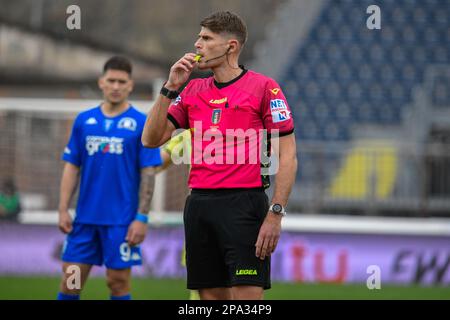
(345,74)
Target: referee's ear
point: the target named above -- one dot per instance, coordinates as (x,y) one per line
(233,46)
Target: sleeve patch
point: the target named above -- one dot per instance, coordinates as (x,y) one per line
(279,111)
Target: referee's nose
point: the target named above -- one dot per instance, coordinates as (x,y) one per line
(197,44)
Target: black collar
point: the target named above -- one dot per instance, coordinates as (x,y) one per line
(221,85)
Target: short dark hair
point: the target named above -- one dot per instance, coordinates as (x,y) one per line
(226,22)
(118,63)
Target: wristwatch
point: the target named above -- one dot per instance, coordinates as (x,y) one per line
(169,93)
(278,209)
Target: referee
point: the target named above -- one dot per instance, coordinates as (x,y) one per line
(231,228)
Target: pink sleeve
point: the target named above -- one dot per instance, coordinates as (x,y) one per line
(275,110)
(178,112)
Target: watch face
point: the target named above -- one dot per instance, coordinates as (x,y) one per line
(277,208)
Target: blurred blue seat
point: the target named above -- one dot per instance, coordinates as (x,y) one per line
(345,74)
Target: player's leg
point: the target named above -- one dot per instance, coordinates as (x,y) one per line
(119,257)
(81,251)
(118,281)
(74,277)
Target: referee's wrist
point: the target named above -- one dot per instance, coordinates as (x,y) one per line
(170,86)
(142,217)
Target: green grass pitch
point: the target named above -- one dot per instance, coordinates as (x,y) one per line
(41,288)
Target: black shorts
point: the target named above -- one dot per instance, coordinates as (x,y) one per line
(221,229)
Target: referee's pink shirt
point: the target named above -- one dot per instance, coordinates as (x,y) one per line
(253,101)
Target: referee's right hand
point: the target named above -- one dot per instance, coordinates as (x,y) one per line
(65,222)
(180,71)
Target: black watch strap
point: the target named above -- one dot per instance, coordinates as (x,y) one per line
(169,93)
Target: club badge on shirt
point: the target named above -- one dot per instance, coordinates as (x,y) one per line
(127,123)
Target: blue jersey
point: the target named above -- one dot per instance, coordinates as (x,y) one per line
(110,154)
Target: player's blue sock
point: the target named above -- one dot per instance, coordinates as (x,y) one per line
(125,297)
(63,296)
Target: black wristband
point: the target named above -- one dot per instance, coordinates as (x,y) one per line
(168,93)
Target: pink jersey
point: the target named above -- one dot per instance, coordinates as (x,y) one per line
(225,120)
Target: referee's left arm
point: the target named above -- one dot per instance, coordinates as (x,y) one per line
(285,178)
(269,233)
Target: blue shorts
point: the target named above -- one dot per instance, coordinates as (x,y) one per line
(98,245)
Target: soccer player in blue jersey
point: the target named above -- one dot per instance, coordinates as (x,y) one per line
(116,187)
